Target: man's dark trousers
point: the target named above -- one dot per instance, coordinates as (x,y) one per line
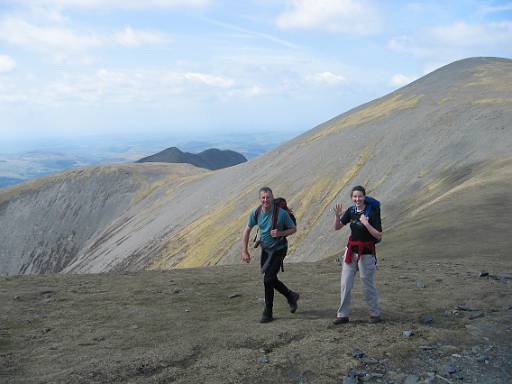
(270,279)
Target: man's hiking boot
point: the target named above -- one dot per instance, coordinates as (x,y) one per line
(266,317)
(340,320)
(375,319)
(292,301)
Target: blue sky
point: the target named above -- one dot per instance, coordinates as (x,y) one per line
(73,68)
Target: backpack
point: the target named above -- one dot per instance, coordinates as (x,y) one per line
(279,202)
(370,204)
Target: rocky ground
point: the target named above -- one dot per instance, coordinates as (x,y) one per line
(444,323)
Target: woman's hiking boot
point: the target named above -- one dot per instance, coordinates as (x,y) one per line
(292,301)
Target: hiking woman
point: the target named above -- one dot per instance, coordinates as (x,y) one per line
(366,229)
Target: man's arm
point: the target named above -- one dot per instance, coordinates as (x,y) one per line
(245,244)
(286,232)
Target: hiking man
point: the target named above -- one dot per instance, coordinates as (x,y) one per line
(274,225)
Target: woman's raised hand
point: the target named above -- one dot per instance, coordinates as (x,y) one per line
(338,209)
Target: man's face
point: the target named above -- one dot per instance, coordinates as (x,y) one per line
(266,199)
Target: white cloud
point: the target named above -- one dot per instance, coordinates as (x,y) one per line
(325,78)
(7,63)
(496,8)
(124,86)
(462,34)
(458,39)
(409,45)
(49,38)
(399,80)
(19,32)
(251,33)
(346,16)
(133,38)
(211,80)
(115,4)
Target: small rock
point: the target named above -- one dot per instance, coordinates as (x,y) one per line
(369,360)
(349,380)
(449,349)
(358,354)
(458,356)
(420,284)
(411,379)
(464,307)
(476,315)
(408,333)
(187,310)
(396,376)
(358,373)
(233,295)
(426,319)
(451,369)
(484,274)
(481,358)
(263,359)
(176,291)
(134,326)
(427,347)
(46,330)
(17,297)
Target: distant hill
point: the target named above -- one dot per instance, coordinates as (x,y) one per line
(209,159)
(436,153)
(7,181)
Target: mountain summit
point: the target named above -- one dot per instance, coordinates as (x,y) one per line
(212,158)
(436,153)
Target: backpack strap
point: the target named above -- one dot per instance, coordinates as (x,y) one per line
(257,213)
(275,216)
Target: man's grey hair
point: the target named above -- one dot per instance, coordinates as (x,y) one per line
(266,190)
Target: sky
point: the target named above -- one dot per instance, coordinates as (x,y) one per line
(79,68)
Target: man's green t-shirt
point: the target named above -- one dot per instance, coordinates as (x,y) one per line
(284,222)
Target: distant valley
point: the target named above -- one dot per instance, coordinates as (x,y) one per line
(22,165)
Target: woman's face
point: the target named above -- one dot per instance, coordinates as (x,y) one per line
(358,198)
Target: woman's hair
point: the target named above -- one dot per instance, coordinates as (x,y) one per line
(359,188)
